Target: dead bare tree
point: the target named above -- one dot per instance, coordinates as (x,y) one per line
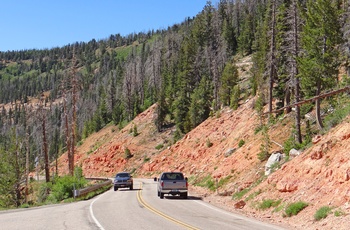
(27,164)
(272,55)
(128,88)
(292,37)
(44,138)
(313,99)
(74,112)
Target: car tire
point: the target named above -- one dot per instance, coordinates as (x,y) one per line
(131,187)
(158,193)
(161,195)
(115,188)
(184,196)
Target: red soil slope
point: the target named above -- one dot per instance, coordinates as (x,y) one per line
(320,176)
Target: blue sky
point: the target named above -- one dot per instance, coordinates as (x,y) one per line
(40,24)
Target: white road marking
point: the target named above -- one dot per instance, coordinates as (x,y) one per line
(92,212)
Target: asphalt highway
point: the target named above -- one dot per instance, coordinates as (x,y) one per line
(139,208)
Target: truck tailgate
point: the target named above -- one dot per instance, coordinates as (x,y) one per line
(169,185)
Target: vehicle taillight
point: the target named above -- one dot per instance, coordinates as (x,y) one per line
(162,184)
(186,184)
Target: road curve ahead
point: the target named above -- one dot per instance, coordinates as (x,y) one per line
(140,208)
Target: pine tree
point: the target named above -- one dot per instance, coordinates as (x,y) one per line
(12,164)
(200,103)
(229,79)
(235,97)
(320,38)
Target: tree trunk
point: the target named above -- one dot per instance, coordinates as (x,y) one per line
(27,166)
(287,99)
(74,105)
(68,143)
(46,155)
(297,111)
(18,178)
(272,57)
(296,72)
(318,106)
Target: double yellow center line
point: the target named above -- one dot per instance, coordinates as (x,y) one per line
(149,207)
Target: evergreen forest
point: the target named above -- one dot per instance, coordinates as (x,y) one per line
(51,99)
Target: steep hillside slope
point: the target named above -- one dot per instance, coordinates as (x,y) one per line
(319,176)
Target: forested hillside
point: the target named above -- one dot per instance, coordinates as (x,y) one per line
(52,99)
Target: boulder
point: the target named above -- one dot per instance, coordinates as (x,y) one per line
(274,158)
(294,153)
(239,204)
(229,152)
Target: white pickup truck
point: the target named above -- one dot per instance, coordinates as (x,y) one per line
(172,183)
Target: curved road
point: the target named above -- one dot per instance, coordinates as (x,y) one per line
(140,208)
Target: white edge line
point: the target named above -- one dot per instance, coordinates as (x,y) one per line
(92,213)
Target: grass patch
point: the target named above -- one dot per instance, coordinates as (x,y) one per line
(97,192)
(240,194)
(253,195)
(146,159)
(322,212)
(94,148)
(279,208)
(266,204)
(224,181)
(342,109)
(207,182)
(294,208)
(160,146)
(241,143)
(339,213)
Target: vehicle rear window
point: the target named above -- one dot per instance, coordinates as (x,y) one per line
(172,176)
(122,175)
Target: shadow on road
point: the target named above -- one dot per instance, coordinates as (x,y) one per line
(126,189)
(180,198)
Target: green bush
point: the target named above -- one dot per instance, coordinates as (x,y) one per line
(337,116)
(160,146)
(127,153)
(266,204)
(291,143)
(241,143)
(339,212)
(258,129)
(134,131)
(146,159)
(209,143)
(263,156)
(44,191)
(322,212)
(62,187)
(305,108)
(294,208)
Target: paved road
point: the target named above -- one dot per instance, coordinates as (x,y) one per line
(140,208)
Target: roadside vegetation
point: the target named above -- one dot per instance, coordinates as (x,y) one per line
(294,208)
(59,190)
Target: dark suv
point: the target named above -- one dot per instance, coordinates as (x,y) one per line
(123,180)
